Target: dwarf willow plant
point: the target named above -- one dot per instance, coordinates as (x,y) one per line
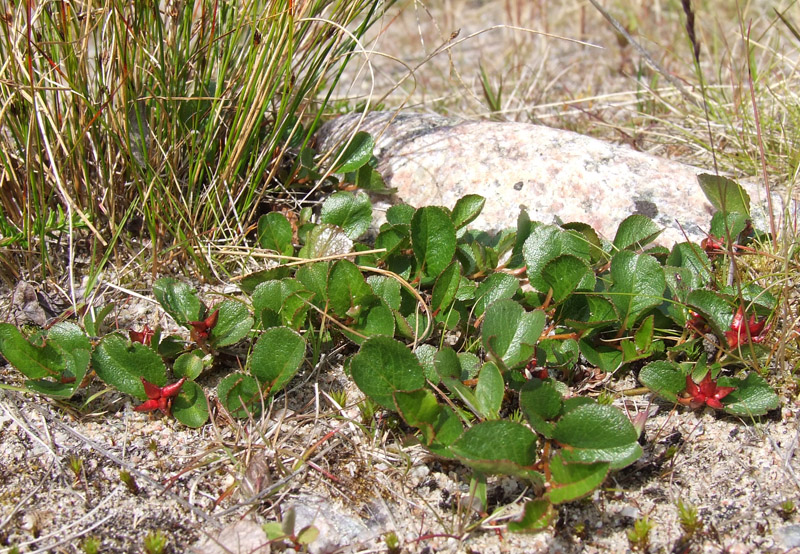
(496,395)
(175,117)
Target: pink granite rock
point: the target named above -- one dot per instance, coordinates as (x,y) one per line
(556,175)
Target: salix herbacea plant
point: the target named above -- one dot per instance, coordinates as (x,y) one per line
(610,306)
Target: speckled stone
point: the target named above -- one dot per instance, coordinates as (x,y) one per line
(556,175)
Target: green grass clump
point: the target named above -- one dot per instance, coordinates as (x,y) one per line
(176,122)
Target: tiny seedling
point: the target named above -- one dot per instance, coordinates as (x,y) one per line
(787,509)
(339,396)
(155,542)
(90,545)
(130,482)
(639,536)
(689,519)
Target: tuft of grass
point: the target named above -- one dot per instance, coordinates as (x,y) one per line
(639,536)
(146,118)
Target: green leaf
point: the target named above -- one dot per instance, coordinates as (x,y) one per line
(724,194)
(433,239)
(400,214)
(724,225)
(589,311)
(498,447)
(420,409)
(326,240)
(663,378)
(546,243)
(426,354)
(715,308)
(690,256)
(387,288)
(178,300)
(240,395)
(76,349)
(635,232)
(537,515)
(603,356)
(490,391)
(565,274)
(351,212)
(644,335)
(446,287)
(753,396)
(510,333)
(122,365)
(374,317)
(595,432)
(33,361)
(524,227)
(314,277)
(355,154)
(189,365)
(639,285)
(467,208)
(384,366)
(277,356)
(346,287)
(585,230)
(571,481)
(190,407)
(369,179)
(540,401)
(233,324)
(275,233)
(495,287)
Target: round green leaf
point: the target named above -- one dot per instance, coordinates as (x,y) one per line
(189,365)
(546,243)
(233,324)
(663,378)
(346,287)
(400,214)
(190,407)
(275,233)
(753,396)
(277,356)
(565,274)
(503,447)
(495,287)
(510,334)
(351,212)
(540,401)
(326,240)
(635,232)
(724,194)
(240,395)
(383,366)
(374,318)
(123,364)
(467,208)
(433,239)
(571,481)
(178,300)
(714,307)
(603,431)
(639,285)
(356,153)
(33,361)
(387,288)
